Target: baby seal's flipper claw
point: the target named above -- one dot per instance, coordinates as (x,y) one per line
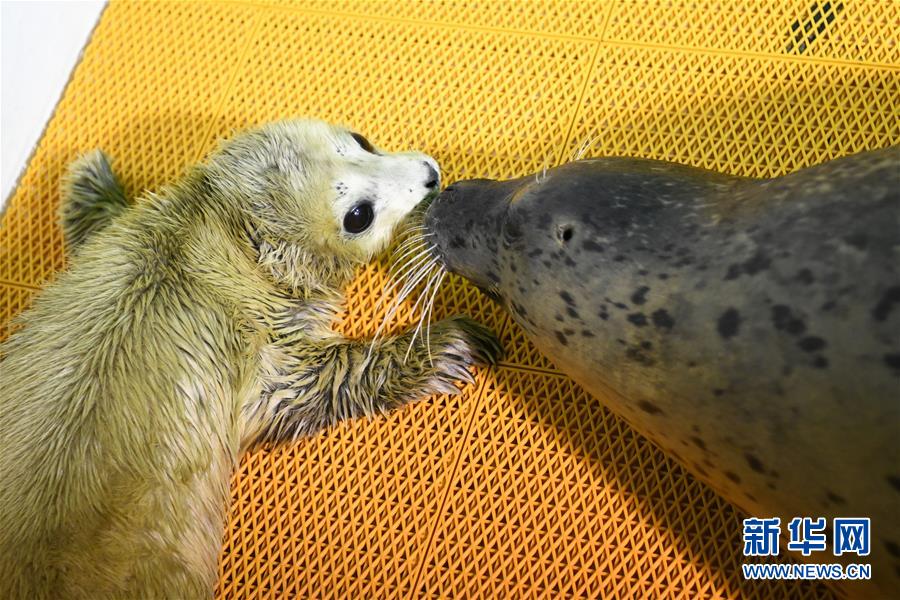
(486,347)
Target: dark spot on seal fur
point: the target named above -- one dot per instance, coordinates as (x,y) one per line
(832,497)
(759,262)
(892,361)
(755,463)
(734,271)
(535,253)
(493,277)
(457,242)
(892,548)
(572,312)
(894,480)
(886,304)
(640,295)
(562,338)
(587,333)
(857,240)
(637,319)
(649,408)
(603,315)
(729,323)
(559,317)
(663,276)
(820,362)
(805,276)
(519,309)
(662,319)
(698,442)
(639,357)
(811,344)
(718,392)
(591,246)
(784,320)
(619,258)
(732,476)
(567,298)
(647,345)
(569,262)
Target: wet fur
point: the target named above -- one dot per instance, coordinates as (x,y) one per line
(194,325)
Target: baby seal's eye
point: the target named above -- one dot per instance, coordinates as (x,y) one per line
(359,218)
(363,143)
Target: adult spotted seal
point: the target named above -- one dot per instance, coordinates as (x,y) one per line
(749,327)
(190,326)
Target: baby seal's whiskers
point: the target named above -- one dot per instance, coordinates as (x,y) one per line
(427,316)
(413,262)
(433,282)
(410,260)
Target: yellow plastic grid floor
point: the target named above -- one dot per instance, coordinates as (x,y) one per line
(524,485)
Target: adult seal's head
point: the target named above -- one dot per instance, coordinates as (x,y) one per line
(749,327)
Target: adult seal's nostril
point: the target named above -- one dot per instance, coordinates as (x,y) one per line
(434,178)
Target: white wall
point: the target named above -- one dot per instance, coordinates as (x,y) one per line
(41,43)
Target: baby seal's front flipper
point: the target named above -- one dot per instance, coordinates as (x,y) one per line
(310,386)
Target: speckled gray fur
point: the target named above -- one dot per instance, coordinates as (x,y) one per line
(749,327)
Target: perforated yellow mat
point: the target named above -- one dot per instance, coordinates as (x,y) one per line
(524,485)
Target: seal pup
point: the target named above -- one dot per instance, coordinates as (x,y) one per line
(189,327)
(751,328)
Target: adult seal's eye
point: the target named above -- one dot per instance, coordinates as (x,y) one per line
(363,143)
(359,218)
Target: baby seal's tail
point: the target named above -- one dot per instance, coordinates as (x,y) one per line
(91,197)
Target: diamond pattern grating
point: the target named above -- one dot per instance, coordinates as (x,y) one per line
(522,486)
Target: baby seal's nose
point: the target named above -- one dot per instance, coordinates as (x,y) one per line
(434,179)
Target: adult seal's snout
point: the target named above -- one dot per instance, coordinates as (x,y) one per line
(465,221)
(751,328)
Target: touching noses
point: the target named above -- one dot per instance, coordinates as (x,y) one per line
(433,178)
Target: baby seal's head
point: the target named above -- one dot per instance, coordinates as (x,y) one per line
(319,198)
